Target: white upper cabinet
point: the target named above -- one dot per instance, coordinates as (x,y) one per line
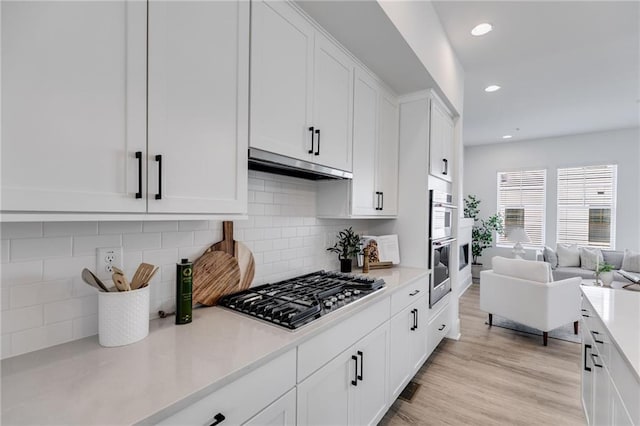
(301,88)
(198,106)
(441,141)
(281,79)
(73,105)
(87,120)
(388,146)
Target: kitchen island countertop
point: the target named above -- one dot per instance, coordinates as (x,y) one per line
(81,382)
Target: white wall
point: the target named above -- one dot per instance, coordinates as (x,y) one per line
(45,302)
(420,26)
(621,147)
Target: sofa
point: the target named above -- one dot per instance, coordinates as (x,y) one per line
(524,291)
(613,257)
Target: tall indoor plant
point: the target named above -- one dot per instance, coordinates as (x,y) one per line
(482,231)
(347,247)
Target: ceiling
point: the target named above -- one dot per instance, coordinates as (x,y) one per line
(565,67)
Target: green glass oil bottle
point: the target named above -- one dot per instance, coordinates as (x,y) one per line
(184,272)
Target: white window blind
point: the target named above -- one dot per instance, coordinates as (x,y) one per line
(521,202)
(586,205)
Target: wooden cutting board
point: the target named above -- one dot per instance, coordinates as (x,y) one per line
(203,267)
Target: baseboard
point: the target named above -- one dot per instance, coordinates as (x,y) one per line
(466,286)
(456,331)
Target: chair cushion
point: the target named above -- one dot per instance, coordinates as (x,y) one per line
(631,261)
(523,269)
(550,256)
(568,255)
(590,257)
(613,257)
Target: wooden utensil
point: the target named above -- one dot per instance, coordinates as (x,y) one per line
(121,282)
(214,274)
(143,275)
(93,281)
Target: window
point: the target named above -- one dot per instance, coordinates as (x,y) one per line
(586,205)
(521,202)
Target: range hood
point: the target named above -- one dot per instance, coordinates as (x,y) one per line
(280,164)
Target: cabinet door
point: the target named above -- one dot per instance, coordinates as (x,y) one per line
(365,115)
(587,373)
(281,79)
(332,105)
(440,139)
(418,349)
(198,102)
(370,401)
(388,146)
(619,414)
(601,393)
(281,413)
(399,355)
(324,398)
(73,105)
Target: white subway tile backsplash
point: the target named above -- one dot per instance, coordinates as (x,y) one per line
(142,241)
(40,248)
(4,251)
(177,239)
(21,273)
(130,227)
(61,229)
(21,319)
(45,301)
(41,337)
(87,245)
(14,230)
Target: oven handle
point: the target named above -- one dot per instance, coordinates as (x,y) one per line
(445,205)
(443,242)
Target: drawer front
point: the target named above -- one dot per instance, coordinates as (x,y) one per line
(240,400)
(408,294)
(438,327)
(322,348)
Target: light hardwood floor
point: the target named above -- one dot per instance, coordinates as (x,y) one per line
(494,376)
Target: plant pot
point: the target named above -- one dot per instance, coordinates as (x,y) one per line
(475,270)
(606,278)
(345,265)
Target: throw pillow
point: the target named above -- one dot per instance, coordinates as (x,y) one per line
(590,257)
(631,261)
(613,257)
(568,255)
(550,257)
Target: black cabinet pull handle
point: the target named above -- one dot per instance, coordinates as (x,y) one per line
(593,359)
(417,321)
(159,160)
(414,326)
(219,418)
(414,292)
(446,166)
(586,349)
(139,157)
(442,327)
(311,130)
(354,382)
(595,339)
(318,138)
(361,355)
(377,200)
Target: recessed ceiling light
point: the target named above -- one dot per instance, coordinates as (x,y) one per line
(507,137)
(481,29)
(491,88)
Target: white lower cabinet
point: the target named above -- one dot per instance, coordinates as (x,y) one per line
(408,345)
(351,388)
(281,413)
(439,324)
(241,399)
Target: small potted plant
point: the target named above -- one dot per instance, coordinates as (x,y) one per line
(605,273)
(347,247)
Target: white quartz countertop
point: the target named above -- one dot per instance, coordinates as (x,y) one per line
(81,382)
(619,310)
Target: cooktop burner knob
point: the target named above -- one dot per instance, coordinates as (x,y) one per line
(347,294)
(328,303)
(333,299)
(356,292)
(341,296)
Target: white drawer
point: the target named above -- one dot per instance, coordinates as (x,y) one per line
(322,348)
(240,400)
(437,328)
(408,294)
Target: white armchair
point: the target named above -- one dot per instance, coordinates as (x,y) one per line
(524,291)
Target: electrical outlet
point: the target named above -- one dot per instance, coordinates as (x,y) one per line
(107,258)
